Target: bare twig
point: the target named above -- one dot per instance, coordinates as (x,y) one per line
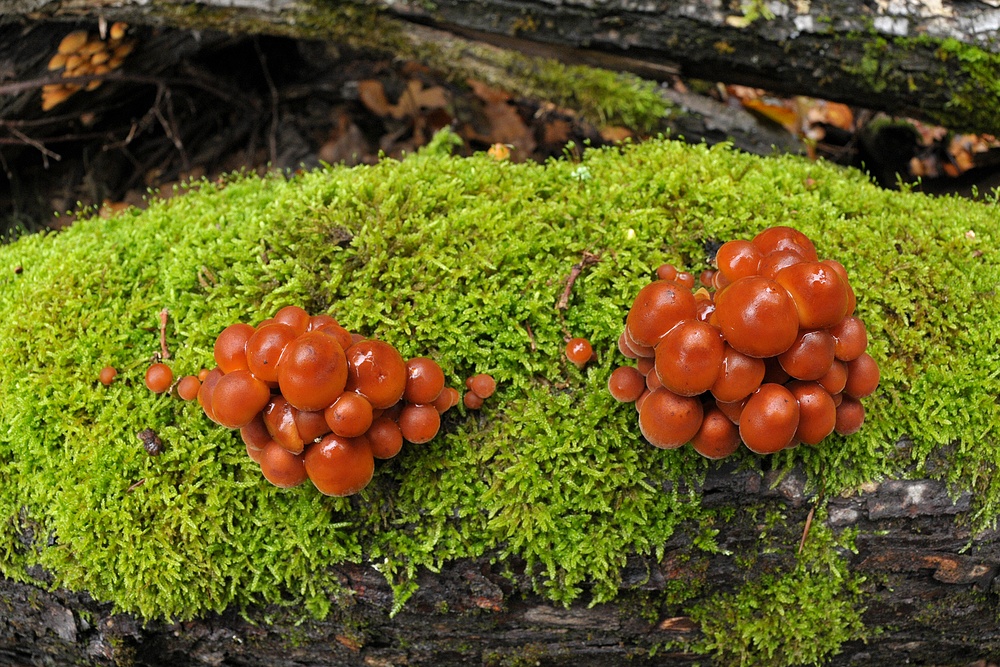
(574,273)
(163,333)
(272,134)
(805,531)
(531,336)
(46,153)
(18,87)
(136,485)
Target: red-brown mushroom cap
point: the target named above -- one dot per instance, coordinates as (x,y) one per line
(264,348)
(666,272)
(667,420)
(782,237)
(385,438)
(738,259)
(638,351)
(579,351)
(733,409)
(188,387)
(817,411)
(685,279)
(718,437)
(424,380)
(835,378)
(656,309)
(342,335)
(819,293)
(757,317)
(311,424)
(769,419)
(850,416)
(340,466)
(376,371)
(230,347)
(295,317)
(810,356)
(481,384)
(446,400)
(158,378)
(472,400)
(689,357)
(255,433)
(349,416)
(313,371)
(624,348)
(773,263)
(851,338)
(237,398)
(281,467)
(739,376)
(419,423)
(206,391)
(317,321)
(862,376)
(255,453)
(107,375)
(626,384)
(279,418)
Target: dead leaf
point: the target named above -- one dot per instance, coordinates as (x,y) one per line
(416,98)
(372,95)
(615,133)
(486,93)
(782,115)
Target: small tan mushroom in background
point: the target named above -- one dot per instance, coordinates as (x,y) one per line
(79,54)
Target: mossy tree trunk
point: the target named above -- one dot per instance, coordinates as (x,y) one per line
(929,595)
(925,59)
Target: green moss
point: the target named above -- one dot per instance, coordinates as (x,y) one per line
(797,617)
(456,259)
(961,92)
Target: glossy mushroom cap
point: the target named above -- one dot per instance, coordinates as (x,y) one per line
(340,466)
(579,351)
(738,259)
(656,309)
(718,437)
(424,380)
(667,420)
(850,416)
(757,317)
(419,423)
(862,376)
(689,358)
(279,419)
(158,378)
(739,376)
(819,293)
(817,411)
(188,387)
(230,347)
(810,356)
(377,372)
(312,371)
(385,438)
(349,416)
(107,375)
(626,384)
(281,467)
(782,237)
(264,348)
(482,385)
(237,398)
(769,419)
(295,317)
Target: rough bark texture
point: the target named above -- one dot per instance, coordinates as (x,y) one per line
(885,55)
(932,594)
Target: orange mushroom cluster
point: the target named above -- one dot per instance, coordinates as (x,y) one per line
(80,54)
(312,400)
(772,358)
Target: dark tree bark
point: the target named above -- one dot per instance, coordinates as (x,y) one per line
(882,55)
(931,589)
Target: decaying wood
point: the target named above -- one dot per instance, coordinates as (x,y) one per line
(839,49)
(932,590)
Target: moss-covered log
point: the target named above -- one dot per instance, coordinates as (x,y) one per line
(929,60)
(542,528)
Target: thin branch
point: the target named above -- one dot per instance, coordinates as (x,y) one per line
(272,134)
(163,333)
(574,273)
(805,531)
(46,153)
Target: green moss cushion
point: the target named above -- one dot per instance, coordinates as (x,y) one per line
(462,260)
